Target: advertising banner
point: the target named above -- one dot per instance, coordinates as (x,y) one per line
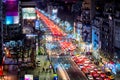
(12,14)
(95,38)
(37,24)
(28,13)
(11,7)
(79,29)
(28,77)
(54,14)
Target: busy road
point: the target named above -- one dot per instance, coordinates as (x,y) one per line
(64,60)
(70,67)
(67,64)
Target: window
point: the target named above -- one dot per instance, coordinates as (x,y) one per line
(117,24)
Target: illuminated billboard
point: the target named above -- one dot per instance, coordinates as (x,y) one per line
(54,14)
(12,8)
(28,13)
(37,24)
(12,20)
(95,38)
(12,14)
(79,28)
(9,19)
(28,77)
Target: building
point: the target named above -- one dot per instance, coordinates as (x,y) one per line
(1,32)
(109,12)
(117,37)
(117,34)
(11,15)
(86,21)
(28,17)
(107,30)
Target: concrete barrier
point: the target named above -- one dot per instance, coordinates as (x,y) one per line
(62,72)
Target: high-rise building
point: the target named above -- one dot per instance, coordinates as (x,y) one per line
(86,20)
(12,25)
(107,30)
(28,17)
(109,27)
(117,37)
(1,32)
(117,32)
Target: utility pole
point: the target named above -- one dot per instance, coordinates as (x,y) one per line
(1,32)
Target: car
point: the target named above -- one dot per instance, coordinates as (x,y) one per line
(95,75)
(88,67)
(99,71)
(111,76)
(92,72)
(77,55)
(88,53)
(90,77)
(81,66)
(92,66)
(85,70)
(107,70)
(87,61)
(98,78)
(106,78)
(96,69)
(103,75)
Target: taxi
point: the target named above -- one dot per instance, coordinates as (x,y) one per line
(111,76)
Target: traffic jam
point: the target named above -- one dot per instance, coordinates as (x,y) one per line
(90,69)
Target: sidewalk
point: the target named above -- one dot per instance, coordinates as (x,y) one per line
(42,71)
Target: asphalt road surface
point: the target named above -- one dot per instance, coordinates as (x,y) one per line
(71,68)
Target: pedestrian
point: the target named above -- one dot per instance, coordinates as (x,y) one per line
(18,71)
(43,69)
(44,78)
(39,72)
(50,66)
(46,69)
(25,72)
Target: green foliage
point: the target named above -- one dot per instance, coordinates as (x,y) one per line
(41,51)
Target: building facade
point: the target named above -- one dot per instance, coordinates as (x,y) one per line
(86,21)
(1,32)
(109,12)
(117,38)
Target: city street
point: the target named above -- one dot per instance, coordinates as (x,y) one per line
(42,70)
(70,67)
(59,40)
